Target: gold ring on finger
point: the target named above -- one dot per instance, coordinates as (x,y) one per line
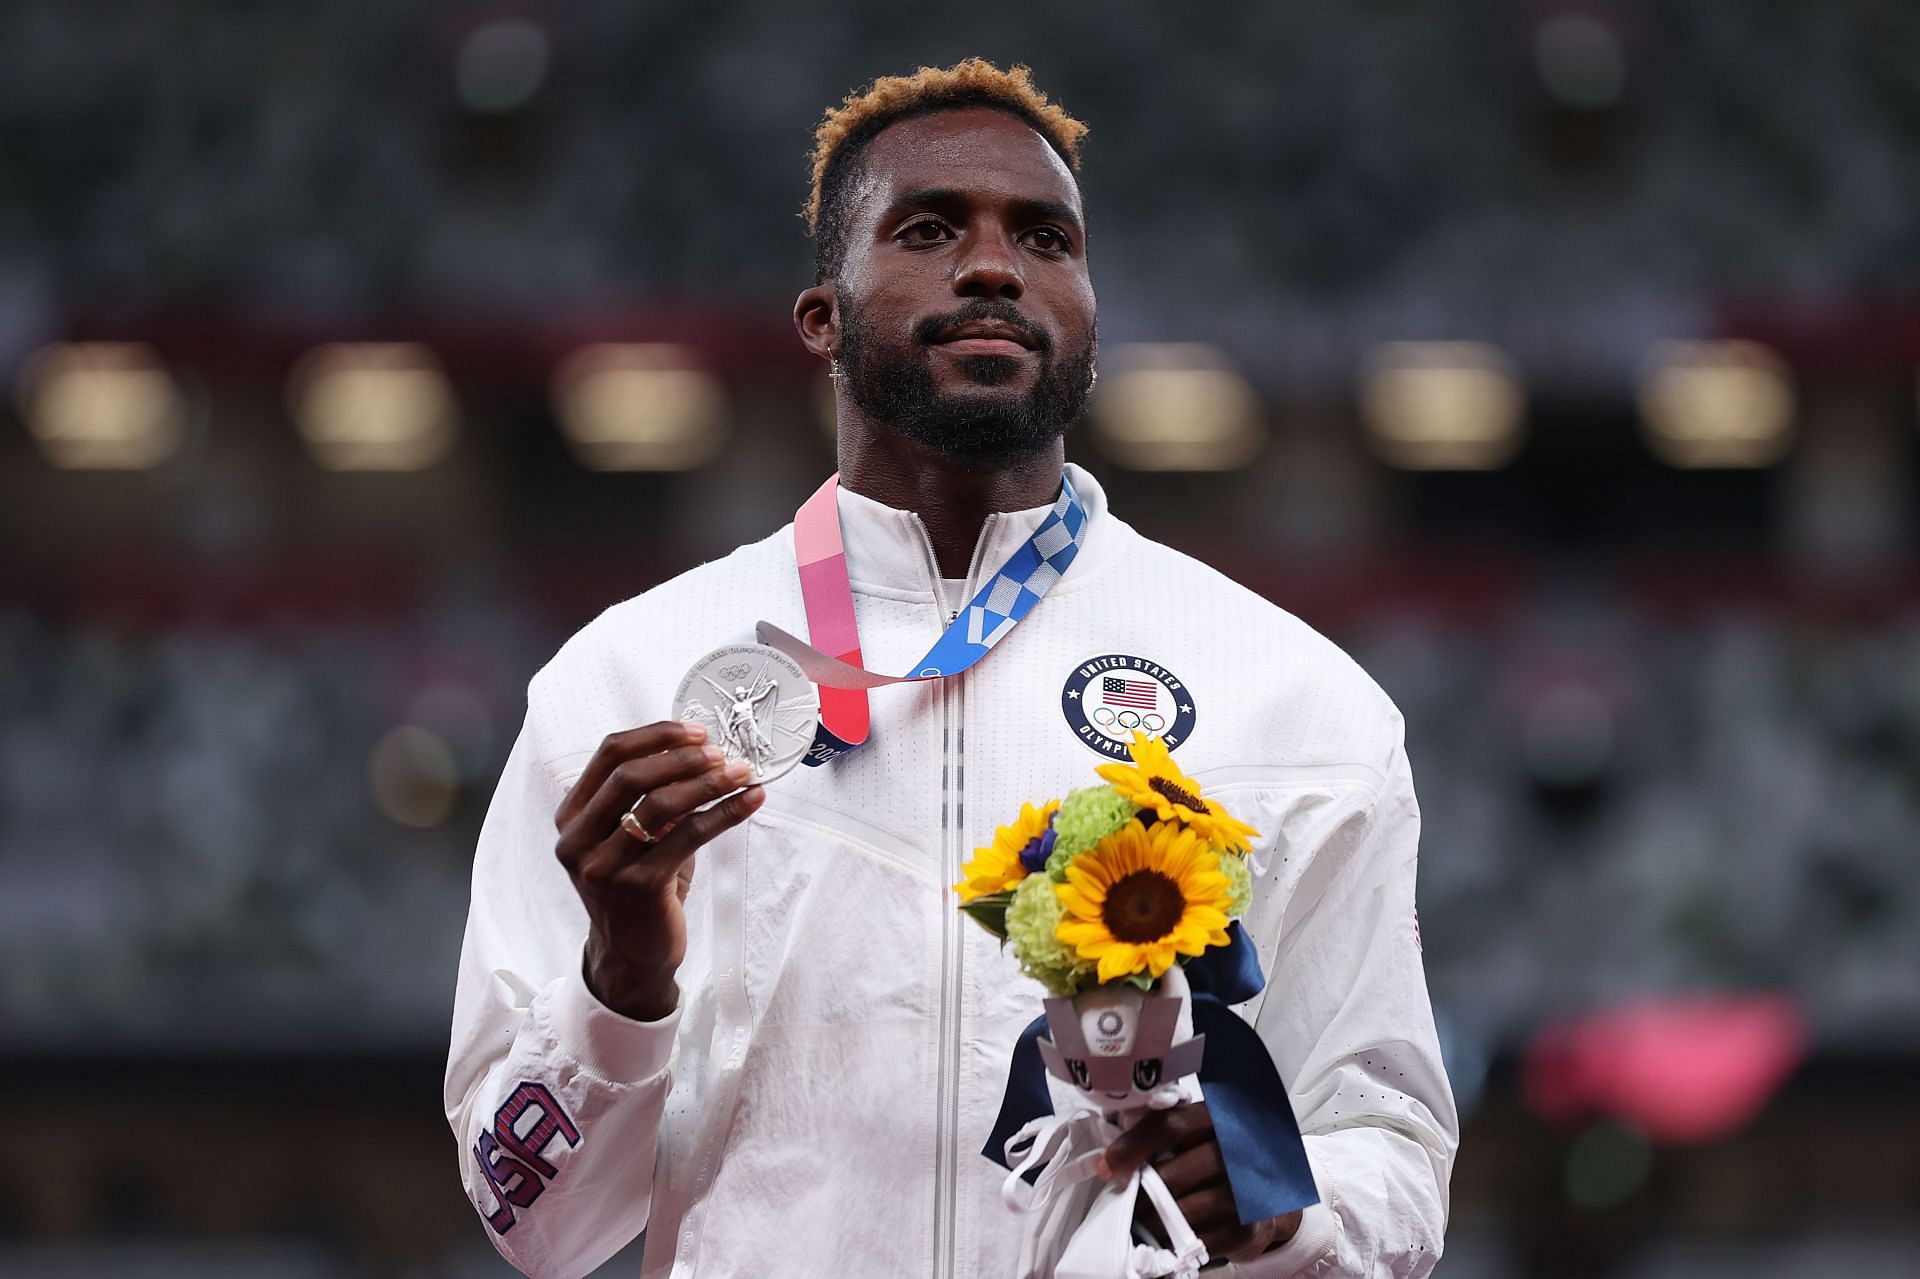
(631,824)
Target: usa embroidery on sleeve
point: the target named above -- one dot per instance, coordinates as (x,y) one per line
(512,1155)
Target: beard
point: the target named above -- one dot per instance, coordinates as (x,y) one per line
(893,385)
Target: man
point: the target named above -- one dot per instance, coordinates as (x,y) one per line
(759,1029)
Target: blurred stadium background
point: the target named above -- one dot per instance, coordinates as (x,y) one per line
(1557,357)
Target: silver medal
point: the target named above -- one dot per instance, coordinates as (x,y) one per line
(756,703)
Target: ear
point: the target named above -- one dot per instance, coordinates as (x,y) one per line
(816,317)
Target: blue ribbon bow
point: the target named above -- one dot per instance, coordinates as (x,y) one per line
(1252,1119)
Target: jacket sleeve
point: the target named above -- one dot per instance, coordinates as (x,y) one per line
(1347,1018)
(555,1100)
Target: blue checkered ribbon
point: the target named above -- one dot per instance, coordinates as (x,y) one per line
(1028,574)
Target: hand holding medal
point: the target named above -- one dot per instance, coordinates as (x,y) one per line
(633,881)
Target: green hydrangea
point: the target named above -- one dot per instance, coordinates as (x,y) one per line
(1086,817)
(1032,920)
(1239,884)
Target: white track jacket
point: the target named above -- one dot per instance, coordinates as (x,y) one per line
(817,1104)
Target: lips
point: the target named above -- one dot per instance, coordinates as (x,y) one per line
(984,337)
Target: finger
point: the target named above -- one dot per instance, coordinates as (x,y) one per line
(1193,1168)
(1136,1145)
(624,786)
(664,806)
(617,749)
(648,861)
(1209,1208)
(1223,1243)
(1161,1131)
(701,827)
(630,861)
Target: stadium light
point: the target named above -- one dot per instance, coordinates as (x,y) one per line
(1716,404)
(110,406)
(1175,406)
(1441,406)
(640,407)
(373,406)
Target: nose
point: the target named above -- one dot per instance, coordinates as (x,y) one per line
(989,269)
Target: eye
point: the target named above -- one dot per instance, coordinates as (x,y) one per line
(1078,1069)
(1049,239)
(914,232)
(1146,1073)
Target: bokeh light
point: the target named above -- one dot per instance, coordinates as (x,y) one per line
(101,406)
(1716,404)
(1442,406)
(413,776)
(1175,406)
(374,406)
(640,406)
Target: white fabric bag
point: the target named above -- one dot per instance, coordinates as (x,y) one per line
(1104,1246)
(1066,1151)
(1076,1226)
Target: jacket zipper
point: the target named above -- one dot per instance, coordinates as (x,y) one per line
(952,945)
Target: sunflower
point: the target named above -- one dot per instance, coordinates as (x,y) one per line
(1156,782)
(1142,896)
(997,867)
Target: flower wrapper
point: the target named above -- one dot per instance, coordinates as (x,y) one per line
(1253,1118)
(1114,1054)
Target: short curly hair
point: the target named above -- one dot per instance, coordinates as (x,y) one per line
(845,132)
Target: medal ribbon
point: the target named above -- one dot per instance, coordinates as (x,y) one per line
(832,661)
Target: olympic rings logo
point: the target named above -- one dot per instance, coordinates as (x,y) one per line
(1151,721)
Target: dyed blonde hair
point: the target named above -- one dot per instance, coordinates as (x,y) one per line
(847,129)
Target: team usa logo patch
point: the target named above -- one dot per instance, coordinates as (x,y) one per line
(513,1156)
(1106,698)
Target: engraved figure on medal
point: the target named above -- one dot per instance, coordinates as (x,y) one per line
(757,706)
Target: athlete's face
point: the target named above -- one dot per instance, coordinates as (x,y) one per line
(965,312)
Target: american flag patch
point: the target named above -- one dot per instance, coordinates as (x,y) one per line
(1141,693)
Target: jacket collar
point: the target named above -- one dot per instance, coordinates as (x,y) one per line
(890,553)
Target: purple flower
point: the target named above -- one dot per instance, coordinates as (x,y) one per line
(1034,855)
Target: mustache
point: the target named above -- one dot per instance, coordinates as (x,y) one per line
(985,309)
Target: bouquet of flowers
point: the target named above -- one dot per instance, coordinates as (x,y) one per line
(1102,897)
(1116,882)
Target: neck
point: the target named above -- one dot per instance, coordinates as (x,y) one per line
(952,496)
